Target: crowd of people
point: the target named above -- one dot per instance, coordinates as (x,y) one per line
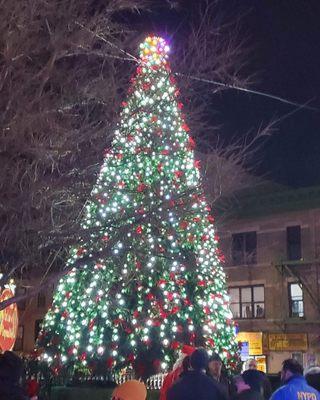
(195,376)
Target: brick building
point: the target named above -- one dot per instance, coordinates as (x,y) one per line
(271,241)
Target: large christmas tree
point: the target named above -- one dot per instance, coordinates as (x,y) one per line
(147,276)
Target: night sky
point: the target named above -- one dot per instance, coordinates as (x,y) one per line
(285,37)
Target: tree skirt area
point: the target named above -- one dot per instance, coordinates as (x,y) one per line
(76,393)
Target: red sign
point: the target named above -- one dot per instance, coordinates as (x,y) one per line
(8,323)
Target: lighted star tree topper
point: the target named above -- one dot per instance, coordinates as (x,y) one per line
(147,276)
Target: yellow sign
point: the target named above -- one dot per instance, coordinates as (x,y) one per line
(254,339)
(288,341)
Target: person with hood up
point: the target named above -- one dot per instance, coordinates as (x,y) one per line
(244,391)
(177,369)
(130,390)
(295,386)
(195,384)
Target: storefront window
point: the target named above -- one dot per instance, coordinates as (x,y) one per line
(247,302)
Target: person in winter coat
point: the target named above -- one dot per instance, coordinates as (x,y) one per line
(195,384)
(313,377)
(258,378)
(295,387)
(130,390)
(216,370)
(11,369)
(244,391)
(178,368)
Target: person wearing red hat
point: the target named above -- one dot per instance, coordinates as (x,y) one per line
(177,370)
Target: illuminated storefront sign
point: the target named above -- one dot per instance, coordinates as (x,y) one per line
(287,341)
(253,340)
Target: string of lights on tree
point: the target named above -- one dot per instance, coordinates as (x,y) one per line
(147,277)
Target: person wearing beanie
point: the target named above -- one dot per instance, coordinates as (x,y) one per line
(130,390)
(195,384)
(177,370)
(217,371)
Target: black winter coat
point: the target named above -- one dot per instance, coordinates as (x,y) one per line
(11,391)
(248,395)
(195,385)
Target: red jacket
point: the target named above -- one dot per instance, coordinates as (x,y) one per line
(168,381)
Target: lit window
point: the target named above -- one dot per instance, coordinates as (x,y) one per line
(296,300)
(247,301)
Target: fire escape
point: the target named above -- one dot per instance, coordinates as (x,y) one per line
(307,274)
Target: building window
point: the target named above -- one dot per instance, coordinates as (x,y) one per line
(41,300)
(294,243)
(296,300)
(244,248)
(37,328)
(20,291)
(247,301)
(18,345)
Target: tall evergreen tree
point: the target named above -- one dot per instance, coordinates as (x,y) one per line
(148,276)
